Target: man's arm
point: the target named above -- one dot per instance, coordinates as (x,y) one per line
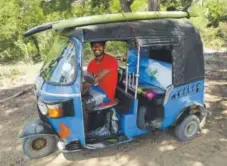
(112,67)
(102,74)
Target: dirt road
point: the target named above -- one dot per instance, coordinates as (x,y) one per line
(157,149)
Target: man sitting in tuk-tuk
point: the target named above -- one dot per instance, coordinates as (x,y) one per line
(104,68)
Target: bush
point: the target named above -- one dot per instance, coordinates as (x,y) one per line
(217,10)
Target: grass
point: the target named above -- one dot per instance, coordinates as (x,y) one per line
(15,70)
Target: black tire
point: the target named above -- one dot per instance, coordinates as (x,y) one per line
(188,128)
(141,122)
(39,146)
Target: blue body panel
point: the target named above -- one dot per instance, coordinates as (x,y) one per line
(181,97)
(129,122)
(54,93)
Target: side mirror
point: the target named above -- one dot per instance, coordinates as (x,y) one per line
(66,68)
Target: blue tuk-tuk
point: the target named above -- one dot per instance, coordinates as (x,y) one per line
(161,85)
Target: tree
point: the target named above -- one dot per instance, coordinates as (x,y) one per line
(100,4)
(153,5)
(126,5)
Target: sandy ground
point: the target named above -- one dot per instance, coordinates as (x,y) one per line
(209,148)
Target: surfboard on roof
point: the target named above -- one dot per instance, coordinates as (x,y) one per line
(107,18)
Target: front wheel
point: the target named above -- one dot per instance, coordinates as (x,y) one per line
(39,146)
(188,128)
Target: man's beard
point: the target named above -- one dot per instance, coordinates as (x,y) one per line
(98,54)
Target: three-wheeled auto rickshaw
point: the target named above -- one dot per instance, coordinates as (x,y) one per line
(174,98)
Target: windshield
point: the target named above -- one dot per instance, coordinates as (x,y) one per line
(60,66)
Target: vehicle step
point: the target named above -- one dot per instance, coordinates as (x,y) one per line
(108,142)
(103,138)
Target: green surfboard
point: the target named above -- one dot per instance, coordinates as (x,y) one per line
(107,18)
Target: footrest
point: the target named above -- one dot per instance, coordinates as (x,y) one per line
(108,142)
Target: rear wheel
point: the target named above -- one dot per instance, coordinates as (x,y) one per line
(188,128)
(39,146)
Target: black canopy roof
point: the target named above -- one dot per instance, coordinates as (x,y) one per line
(146,32)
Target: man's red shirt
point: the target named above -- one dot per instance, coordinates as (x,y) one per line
(109,82)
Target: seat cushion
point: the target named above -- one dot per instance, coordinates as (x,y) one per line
(106,105)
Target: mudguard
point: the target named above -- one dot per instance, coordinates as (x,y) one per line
(201,109)
(36,127)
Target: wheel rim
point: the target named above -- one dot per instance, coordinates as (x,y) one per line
(39,144)
(191,129)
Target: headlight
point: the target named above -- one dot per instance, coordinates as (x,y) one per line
(51,110)
(55,110)
(42,107)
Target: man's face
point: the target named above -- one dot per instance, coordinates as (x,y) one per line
(98,49)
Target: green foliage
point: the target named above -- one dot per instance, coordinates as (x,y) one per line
(139,5)
(213,37)
(217,10)
(8,14)
(116,48)
(115,6)
(198,17)
(174,3)
(57,44)
(56,6)
(17,16)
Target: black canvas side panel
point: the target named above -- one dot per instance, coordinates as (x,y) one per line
(178,76)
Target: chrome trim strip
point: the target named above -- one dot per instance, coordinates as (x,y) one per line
(137,73)
(59,95)
(126,84)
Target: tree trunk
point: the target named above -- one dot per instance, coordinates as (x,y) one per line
(107,6)
(37,57)
(126,5)
(153,5)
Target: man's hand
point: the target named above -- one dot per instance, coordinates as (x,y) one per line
(96,81)
(85,89)
(86,85)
